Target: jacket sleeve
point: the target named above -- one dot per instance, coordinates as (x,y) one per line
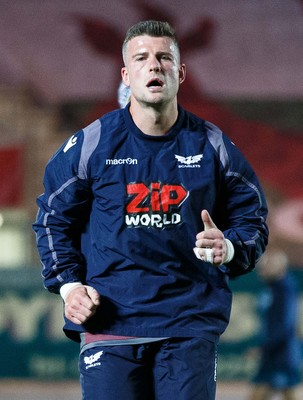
(244,210)
(63,210)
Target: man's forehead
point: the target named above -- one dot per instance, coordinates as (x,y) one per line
(163,43)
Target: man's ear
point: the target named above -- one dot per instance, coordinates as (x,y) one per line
(182,73)
(125,76)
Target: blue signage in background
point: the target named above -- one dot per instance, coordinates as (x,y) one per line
(33,344)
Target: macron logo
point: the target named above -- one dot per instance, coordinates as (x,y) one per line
(121,161)
(72,141)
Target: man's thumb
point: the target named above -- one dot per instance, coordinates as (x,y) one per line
(93,294)
(207,221)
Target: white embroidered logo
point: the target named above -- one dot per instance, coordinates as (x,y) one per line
(189,162)
(72,141)
(121,161)
(92,361)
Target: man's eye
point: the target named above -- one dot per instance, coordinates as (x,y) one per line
(166,57)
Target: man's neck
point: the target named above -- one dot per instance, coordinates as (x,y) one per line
(155,121)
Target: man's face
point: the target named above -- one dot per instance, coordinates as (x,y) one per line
(152,69)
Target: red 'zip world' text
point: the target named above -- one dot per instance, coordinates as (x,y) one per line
(155,205)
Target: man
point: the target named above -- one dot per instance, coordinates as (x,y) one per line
(146,213)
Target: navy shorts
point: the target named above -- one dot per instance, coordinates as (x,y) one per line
(179,369)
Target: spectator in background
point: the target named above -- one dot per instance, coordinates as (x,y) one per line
(280,348)
(124,94)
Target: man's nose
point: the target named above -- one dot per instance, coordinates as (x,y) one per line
(155,64)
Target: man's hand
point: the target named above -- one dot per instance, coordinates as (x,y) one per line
(210,244)
(81,303)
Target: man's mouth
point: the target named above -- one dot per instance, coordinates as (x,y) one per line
(155,82)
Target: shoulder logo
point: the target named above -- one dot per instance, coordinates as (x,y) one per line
(189,161)
(71,142)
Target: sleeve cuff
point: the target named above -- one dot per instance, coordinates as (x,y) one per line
(67,287)
(230,251)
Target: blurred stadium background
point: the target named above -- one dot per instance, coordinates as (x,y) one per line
(60,69)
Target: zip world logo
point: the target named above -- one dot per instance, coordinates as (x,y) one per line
(156,205)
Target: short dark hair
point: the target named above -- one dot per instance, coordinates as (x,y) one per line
(149,28)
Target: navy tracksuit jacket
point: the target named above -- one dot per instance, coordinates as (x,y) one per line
(121,210)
